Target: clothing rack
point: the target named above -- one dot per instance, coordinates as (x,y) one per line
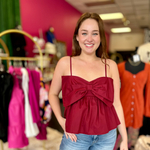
(6,49)
(20,58)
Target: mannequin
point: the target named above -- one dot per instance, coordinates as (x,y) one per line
(135,82)
(144,52)
(134,64)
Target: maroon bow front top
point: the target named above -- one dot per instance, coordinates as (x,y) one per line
(89,104)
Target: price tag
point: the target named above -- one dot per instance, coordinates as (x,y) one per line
(136,58)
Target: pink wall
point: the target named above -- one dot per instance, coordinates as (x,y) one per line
(42,14)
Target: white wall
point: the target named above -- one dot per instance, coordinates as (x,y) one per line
(125,42)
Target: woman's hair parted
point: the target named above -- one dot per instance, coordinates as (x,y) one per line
(102,49)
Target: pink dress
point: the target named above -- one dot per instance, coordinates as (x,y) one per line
(16,115)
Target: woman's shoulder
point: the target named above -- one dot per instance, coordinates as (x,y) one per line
(113,68)
(111,63)
(63,65)
(64,60)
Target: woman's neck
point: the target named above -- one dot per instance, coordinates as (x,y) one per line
(88,58)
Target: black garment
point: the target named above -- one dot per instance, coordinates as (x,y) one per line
(18,43)
(145,129)
(6,86)
(134,69)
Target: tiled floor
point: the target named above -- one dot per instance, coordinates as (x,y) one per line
(52,142)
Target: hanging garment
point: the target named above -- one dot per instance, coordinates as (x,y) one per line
(34,96)
(6,86)
(36,82)
(132,95)
(34,103)
(16,127)
(18,43)
(42,131)
(45,108)
(31,128)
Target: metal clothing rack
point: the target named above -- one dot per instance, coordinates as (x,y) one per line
(20,58)
(5,48)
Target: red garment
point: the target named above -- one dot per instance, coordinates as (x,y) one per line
(132,95)
(89,105)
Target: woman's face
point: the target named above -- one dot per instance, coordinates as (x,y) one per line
(88,36)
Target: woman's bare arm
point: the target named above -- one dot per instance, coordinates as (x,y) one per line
(55,88)
(117,104)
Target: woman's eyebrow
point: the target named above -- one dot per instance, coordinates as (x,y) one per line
(83,30)
(95,30)
(92,31)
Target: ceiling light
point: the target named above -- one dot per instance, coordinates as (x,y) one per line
(125,21)
(111,16)
(119,30)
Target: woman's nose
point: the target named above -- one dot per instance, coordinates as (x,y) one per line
(89,38)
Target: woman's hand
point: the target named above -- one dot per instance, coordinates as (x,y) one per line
(72,136)
(124,145)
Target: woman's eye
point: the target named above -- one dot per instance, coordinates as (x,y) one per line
(83,33)
(95,33)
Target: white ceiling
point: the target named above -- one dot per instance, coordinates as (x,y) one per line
(136,11)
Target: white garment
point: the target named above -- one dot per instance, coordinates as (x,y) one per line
(31,128)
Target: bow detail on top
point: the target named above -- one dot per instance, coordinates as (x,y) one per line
(102,90)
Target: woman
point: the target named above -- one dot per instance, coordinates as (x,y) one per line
(90,88)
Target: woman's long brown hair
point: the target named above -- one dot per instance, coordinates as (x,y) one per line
(102,49)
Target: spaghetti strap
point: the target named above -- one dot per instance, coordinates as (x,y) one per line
(105,69)
(70,66)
